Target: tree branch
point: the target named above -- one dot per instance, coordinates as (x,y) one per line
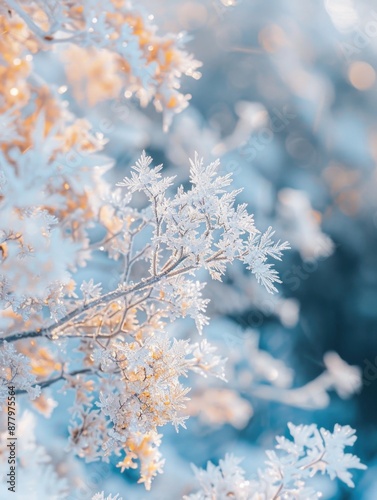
(48,331)
(48,382)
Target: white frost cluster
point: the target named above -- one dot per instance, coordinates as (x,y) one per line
(203,225)
(15,371)
(101,496)
(288,469)
(38,476)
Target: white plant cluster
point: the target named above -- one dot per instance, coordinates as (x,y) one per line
(15,371)
(202,226)
(101,496)
(288,470)
(140,367)
(140,387)
(50,170)
(121,36)
(113,348)
(40,476)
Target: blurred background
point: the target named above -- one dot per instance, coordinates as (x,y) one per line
(287,100)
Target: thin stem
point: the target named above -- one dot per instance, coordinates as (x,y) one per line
(48,382)
(101,243)
(158,228)
(46,36)
(319,459)
(278,492)
(29,22)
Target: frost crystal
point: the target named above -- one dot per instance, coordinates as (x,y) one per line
(15,371)
(101,496)
(113,346)
(286,473)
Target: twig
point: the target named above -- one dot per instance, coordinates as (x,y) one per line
(48,382)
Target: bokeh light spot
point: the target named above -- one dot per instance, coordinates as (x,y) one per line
(361,75)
